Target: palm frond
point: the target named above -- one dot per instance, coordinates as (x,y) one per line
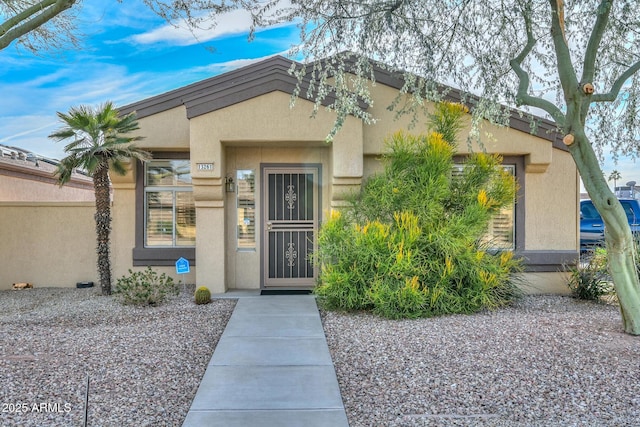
(97,135)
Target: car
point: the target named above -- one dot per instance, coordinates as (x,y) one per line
(592,226)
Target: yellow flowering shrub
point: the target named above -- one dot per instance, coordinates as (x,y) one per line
(410,244)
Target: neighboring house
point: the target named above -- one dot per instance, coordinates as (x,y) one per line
(628,191)
(47,231)
(240,182)
(26,177)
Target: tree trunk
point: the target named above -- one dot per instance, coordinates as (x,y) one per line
(618,238)
(622,266)
(103,224)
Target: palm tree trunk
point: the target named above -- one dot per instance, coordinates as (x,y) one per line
(103,224)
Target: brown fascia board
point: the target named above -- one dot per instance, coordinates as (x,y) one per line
(176,97)
(518,120)
(224,96)
(272,74)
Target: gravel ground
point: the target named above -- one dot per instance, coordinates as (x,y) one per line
(548,361)
(144,364)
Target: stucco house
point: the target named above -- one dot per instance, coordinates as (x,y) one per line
(26,177)
(47,231)
(240,182)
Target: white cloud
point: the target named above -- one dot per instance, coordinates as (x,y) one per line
(28,110)
(232,23)
(30,132)
(235,22)
(223,67)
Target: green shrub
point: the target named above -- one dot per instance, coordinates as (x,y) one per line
(411,242)
(145,288)
(202,295)
(590,280)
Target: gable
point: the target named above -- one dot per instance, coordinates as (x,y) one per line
(272,75)
(224,90)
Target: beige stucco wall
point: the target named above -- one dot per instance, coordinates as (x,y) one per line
(27,181)
(47,243)
(123,212)
(272,129)
(165,131)
(544,283)
(243,265)
(28,190)
(552,204)
(266,119)
(494,139)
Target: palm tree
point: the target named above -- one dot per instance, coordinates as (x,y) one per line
(99,143)
(615,176)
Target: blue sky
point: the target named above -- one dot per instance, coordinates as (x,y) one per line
(127,53)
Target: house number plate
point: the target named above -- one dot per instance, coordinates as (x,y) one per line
(205,166)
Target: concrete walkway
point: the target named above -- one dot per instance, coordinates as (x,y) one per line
(271,368)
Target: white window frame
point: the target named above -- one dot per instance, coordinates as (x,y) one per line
(173,189)
(240,176)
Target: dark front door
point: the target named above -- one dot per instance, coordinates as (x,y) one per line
(290,223)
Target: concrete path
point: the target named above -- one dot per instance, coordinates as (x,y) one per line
(271,368)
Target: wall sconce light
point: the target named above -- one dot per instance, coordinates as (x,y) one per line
(229,185)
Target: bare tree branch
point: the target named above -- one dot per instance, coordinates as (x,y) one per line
(30,19)
(522,96)
(565,68)
(591,53)
(602,20)
(617,85)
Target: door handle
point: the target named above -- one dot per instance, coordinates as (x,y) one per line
(268,226)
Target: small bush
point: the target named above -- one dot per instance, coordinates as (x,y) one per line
(145,288)
(591,281)
(202,295)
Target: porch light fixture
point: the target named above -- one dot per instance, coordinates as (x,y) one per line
(229,185)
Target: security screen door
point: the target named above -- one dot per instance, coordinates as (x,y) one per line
(290,223)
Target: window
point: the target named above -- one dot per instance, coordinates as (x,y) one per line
(170,213)
(628,210)
(501,231)
(246,206)
(588,211)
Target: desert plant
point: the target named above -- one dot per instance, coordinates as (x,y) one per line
(411,242)
(145,288)
(590,280)
(99,143)
(202,295)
